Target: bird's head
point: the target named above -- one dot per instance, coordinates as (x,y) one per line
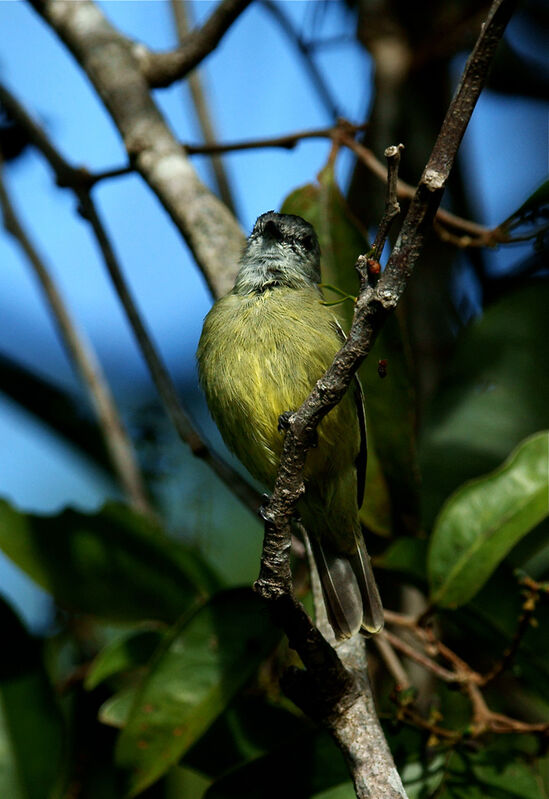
(282,250)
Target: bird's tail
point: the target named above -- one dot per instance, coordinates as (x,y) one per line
(349,589)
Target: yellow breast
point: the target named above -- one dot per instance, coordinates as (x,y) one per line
(259,356)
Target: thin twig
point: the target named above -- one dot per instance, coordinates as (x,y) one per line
(400,619)
(385,648)
(287,141)
(476,235)
(373,305)
(162,69)
(81,354)
(180,10)
(418,657)
(392,208)
(472,234)
(524,623)
(161,378)
(484,719)
(69,176)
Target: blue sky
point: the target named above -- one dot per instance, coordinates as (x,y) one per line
(256,88)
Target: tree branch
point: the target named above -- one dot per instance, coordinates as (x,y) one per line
(455,229)
(180,12)
(162,69)
(392,208)
(81,354)
(373,305)
(110,61)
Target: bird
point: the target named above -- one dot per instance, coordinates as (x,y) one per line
(263,347)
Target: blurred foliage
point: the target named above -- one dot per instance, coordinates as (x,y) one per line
(156,679)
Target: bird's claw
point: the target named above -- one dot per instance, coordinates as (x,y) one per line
(263,511)
(284,421)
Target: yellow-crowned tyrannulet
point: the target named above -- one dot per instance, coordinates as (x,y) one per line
(262,349)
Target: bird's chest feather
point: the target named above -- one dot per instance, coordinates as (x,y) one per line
(272,349)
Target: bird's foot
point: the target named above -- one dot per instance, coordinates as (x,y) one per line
(263,511)
(284,421)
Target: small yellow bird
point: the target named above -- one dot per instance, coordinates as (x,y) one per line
(263,347)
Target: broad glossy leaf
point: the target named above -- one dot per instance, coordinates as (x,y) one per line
(191,681)
(132,649)
(484,519)
(114,564)
(341,240)
(32,735)
(115,711)
(496,394)
(406,556)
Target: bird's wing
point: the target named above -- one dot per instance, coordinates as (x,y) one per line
(362,457)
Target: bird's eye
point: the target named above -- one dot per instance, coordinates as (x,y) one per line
(307,242)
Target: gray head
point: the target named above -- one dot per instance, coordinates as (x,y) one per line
(282,250)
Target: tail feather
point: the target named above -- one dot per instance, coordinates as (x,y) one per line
(372,621)
(349,588)
(340,590)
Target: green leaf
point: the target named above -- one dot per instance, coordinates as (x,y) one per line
(341,241)
(496,394)
(114,564)
(191,681)
(32,735)
(115,711)
(406,556)
(132,649)
(484,519)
